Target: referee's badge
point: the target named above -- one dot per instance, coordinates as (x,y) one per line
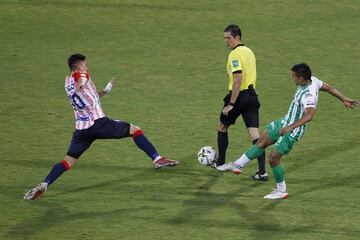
(235,63)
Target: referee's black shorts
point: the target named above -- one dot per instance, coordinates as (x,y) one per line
(247,105)
(103,128)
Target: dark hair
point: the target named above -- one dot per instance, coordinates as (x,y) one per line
(74,59)
(302,70)
(234,30)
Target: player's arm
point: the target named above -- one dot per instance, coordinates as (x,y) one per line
(236,87)
(108,88)
(236,70)
(237,76)
(80,78)
(308,116)
(348,103)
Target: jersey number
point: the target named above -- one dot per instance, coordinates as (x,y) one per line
(77,102)
(70,87)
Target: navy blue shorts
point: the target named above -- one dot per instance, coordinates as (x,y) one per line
(103,128)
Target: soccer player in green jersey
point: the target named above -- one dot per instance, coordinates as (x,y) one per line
(289,129)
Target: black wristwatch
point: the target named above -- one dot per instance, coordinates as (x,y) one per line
(231,104)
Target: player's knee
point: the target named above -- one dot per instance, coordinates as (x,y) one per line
(69,162)
(261,143)
(273,163)
(133,129)
(222,128)
(264,141)
(274,159)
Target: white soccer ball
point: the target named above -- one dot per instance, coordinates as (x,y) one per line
(207,155)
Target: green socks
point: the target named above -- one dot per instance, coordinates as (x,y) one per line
(254,152)
(278,173)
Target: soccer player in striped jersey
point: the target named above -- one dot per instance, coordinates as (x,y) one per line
(91,124)
(289,129)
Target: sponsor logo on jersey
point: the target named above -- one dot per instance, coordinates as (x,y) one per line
(82,118)
(310,99)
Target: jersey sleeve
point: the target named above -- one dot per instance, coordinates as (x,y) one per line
(317,81)
(309,100)
(80,77)
(234,62)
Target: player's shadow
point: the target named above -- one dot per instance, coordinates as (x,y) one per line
(330,183)
(57,215)
(259,221)
(205,201)
(114,183)
(121,182)
(113,168)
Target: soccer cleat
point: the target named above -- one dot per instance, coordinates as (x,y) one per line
(229,167)
(165,162)
(260,177)
(276,194)
(36,192)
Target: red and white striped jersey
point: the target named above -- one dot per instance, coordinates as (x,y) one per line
(84,99)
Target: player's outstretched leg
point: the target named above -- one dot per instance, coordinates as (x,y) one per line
(256,151)
(144,144)
(57,170)
(236,166)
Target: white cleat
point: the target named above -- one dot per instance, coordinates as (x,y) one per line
(36,192)
(276,194)
(229,167)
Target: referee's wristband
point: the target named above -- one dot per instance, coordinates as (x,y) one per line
(231,104)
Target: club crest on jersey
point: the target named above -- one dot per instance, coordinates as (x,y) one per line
(235,63)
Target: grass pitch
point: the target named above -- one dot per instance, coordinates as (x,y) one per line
(169,57)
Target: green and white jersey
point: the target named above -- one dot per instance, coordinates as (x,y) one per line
(305,97)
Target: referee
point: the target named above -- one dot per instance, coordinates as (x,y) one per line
(242,98)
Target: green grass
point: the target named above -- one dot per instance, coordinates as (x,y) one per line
(170,57)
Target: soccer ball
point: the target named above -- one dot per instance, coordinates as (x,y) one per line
(207,156)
